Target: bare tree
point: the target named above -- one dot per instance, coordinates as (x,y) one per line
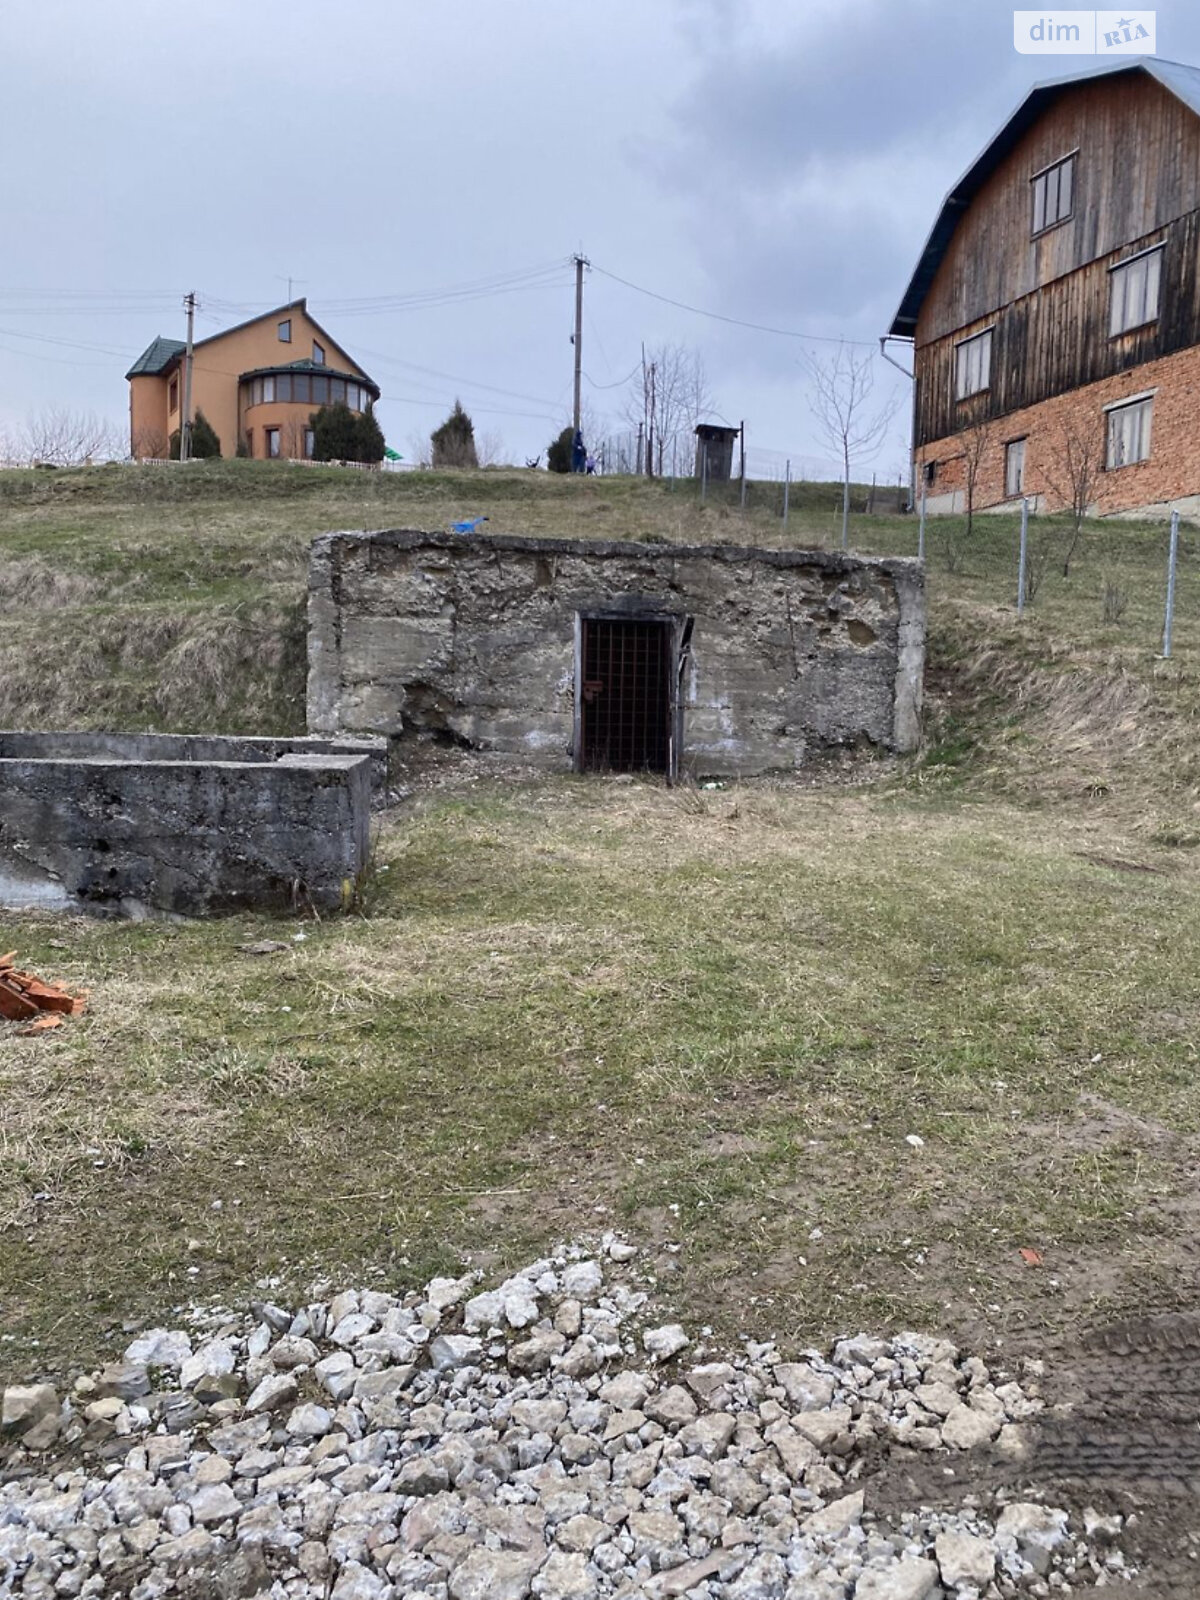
(976,438)
(291,438)
(1072,473)
(420,451)
(10,450)
(489,447)
(841,405)
(666,398)
(151,444)
(61,438)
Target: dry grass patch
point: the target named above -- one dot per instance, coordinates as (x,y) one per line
(715,1016)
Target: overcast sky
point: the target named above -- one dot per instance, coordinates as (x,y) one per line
(779,163)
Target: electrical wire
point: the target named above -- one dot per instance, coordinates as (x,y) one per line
(621,382)
(70,344)
(735,322)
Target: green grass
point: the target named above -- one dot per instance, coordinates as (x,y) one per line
(156,598)
(711,1016)
(717,1016)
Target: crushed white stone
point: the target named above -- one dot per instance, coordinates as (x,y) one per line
(531,1441)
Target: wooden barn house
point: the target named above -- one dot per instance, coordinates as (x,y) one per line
(1055,309)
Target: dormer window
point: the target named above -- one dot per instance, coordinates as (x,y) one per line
(1053,194)
(285,331)
(318,354)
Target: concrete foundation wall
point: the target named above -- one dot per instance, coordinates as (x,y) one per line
(475,637)
(185,747)
(115,824)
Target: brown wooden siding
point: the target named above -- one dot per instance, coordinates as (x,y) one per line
(1137,170)
(1057,338)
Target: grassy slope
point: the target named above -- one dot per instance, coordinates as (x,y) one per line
(575,995)
(169,598)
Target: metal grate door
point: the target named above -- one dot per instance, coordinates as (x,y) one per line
(625,695)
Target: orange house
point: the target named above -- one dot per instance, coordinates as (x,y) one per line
(257,384)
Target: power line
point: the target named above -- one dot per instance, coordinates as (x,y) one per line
(376,305)
(386,360)
(736,322)
(58,361)
(70,344)
(620,383)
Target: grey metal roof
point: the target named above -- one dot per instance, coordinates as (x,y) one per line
(1176,77)
(156,357)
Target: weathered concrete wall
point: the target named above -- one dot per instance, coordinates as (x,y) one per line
(85,824)
(16,743)
(790,650)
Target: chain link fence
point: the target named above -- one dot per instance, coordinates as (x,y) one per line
(1105,579)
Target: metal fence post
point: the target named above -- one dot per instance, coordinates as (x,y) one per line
(921,524)
(1024,555)
(1172,562)
(787,484)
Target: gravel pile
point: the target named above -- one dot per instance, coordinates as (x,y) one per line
(542,1438)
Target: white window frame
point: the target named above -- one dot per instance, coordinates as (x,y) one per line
(1128,431)
(1014,452)
(1046,188)
(1135,290)
(974,352)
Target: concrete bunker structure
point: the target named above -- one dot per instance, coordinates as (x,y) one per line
(125,824)
(710,660)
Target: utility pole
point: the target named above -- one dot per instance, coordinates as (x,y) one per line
(185,423)
(1172,563)
(742,469)
(580,263)
(1023,559)
(653,418)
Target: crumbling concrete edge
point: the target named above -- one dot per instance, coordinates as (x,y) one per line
(910,659)
(323,685)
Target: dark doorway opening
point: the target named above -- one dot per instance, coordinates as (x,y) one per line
(626,706)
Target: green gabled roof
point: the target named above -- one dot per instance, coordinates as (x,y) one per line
(156,358)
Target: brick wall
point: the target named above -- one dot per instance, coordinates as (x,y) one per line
(1171,475)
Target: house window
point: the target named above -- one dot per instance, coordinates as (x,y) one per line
(320,391)
(301,388)
(272,441)
(1129,433)
(173,394)
(931,471)
(318,354)
(1133,291)
(310,444)
(337,391)
(285,331)
(1053,194)
(268,393)
(1014,469)
(283,386)
(250,441)
(973,364)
